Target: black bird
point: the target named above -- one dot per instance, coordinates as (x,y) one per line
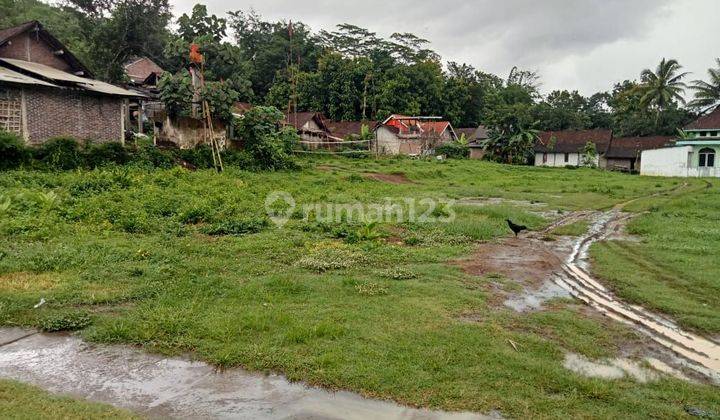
(515,228)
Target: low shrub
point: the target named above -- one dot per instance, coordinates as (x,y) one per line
(199,157)
(60,153)
(371,289)
(453,150)
(144,153)
(13,151)
(330,256)
(238,158)
(65,321)
(398,273)
(270,146)
(112,153)
(236,227)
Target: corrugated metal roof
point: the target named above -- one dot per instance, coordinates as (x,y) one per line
(61,76)
(7,75)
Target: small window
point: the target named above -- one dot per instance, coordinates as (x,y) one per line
(707,158)
(567,157)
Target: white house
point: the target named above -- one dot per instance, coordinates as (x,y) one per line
(693,156)
(566,148)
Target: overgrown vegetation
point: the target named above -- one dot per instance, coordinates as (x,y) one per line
(13,151)
(270,146)
(129,250)
(64,153)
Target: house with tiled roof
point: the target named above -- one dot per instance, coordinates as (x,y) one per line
(142,71)
(475,138)
(312,127)
(694,155)
(349,130)
(400,134)
(624,153)
(567,147)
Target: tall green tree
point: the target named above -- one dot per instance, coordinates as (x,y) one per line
(663,87)
(707,94)
(121,29)
(199,23)
(271,47)
(562,110)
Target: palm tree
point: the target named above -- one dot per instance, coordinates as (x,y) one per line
(707,94)
(663,86)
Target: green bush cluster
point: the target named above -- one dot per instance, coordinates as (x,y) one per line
(236,227)
(66,153)
(13,151)
(65,321)
(453,150)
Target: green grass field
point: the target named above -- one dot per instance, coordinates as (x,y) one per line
(18,401)
(179,261)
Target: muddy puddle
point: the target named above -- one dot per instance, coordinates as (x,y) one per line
(161,387)
(534,299)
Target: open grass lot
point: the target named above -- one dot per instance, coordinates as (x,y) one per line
(179,261)
(675,268)
(18,401)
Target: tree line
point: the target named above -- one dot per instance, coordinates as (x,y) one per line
(351,73)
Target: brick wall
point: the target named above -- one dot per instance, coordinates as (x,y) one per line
(54,112)
(28,48)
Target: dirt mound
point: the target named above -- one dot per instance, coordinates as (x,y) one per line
(526,261)
(394,178)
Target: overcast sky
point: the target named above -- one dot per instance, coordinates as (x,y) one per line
(574,44)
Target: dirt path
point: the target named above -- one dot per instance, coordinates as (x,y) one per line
(533,262)
(178,388)
(702,353)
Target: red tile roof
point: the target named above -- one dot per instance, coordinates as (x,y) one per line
(343,129)
(706,122)
(242,107)
(631,147)
(139,69)
(572,141)
(416,125)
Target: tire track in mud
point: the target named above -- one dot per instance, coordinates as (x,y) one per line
(703,354)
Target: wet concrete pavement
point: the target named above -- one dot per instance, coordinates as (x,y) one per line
(171,387)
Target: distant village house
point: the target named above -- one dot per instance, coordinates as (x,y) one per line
(567,147)
(625,153)
(400,134)
(46,92)
(312,127)
(144,75)
(475,138)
